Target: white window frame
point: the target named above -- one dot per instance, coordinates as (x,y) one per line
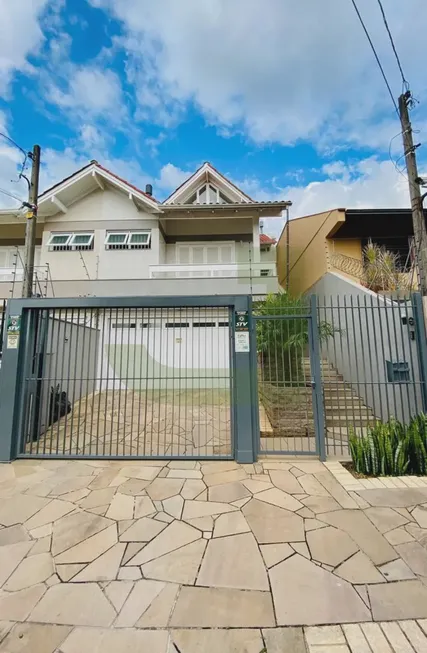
(139,233)
(127,242)
(116,233)
(70,245)
(55,235)
(82,233)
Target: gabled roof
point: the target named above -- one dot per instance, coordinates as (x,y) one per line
(85,180)
(207,172)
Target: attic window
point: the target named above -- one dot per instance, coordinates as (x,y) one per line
(208,194)
(128,240)
(70,242)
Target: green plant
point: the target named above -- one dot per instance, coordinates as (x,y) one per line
(282,344)
(391,448)
(381,268)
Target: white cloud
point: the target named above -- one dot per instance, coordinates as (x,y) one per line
(90,90)
(171,177)
(20,35)
(283,70)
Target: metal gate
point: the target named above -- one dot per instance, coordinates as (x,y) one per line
(333,367)
(289,384)
(133,381)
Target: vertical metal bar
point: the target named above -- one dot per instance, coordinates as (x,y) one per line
(100,366)
(107,359)
(382,371)
(114,380)
(369,320)
(314,343)
(122,322)
(404,354)
(386,310)
(355,358)
(149,329)
(393,314)
(134,380)
(49,394)
(140,379)
(420,335)
(125,428)
(154,405)
(81,357)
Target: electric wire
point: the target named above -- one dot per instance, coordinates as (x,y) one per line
(376,55)
(404,80)
(288,274)
(14,197)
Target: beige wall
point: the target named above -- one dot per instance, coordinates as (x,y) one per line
(308,249)
(351,247)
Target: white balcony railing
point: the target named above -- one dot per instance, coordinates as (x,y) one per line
(231,270)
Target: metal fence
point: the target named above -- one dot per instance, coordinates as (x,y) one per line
(371,361)
(134,382)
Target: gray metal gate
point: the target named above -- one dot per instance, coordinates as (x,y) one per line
(289,384)
(129,378)
(373,363)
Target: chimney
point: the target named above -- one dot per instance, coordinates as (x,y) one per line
(149,190)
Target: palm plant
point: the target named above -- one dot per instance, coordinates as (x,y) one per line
(381,268)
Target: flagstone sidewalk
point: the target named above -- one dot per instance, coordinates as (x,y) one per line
(208,556)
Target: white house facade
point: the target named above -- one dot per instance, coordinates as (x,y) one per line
(98,235)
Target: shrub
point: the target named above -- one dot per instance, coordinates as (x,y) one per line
(391,448)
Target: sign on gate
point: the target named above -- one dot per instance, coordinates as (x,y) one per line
(13,331)
(241,323)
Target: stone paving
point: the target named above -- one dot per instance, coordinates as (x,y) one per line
(208,556)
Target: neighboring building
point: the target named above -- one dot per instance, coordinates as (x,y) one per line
(99,235)
(333,242)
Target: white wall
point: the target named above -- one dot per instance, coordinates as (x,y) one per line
(371,333)
(100,212)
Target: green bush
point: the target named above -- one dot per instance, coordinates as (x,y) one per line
(391,448)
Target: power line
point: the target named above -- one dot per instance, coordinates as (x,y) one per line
(14,197)
(308,244)
(14,143)
(404,81)
(24,163)
(376,55)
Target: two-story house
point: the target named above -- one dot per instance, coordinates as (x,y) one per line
(99,235)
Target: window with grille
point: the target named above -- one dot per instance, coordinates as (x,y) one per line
(128,240)
(67,242)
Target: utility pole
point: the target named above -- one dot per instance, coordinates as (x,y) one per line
(30,230)
(420,232)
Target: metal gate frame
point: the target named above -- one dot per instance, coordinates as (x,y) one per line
(16,361)
(316,380)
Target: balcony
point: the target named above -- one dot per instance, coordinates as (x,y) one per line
(223,270)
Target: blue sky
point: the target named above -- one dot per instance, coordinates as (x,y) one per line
(282,96)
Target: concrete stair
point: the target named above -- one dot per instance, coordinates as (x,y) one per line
(344,409)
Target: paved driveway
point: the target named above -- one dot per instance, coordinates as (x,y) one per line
(124,556)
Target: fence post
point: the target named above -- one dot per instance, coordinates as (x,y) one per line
(243,387)
(420,334)
(316,372)
(9,384)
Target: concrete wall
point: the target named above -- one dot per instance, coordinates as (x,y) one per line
(369,337)
(308,249)
(71,352)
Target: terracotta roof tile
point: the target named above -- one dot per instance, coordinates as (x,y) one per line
(266,240)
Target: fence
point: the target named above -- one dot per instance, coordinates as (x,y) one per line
(371,363)
(129,377)
(190,377)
